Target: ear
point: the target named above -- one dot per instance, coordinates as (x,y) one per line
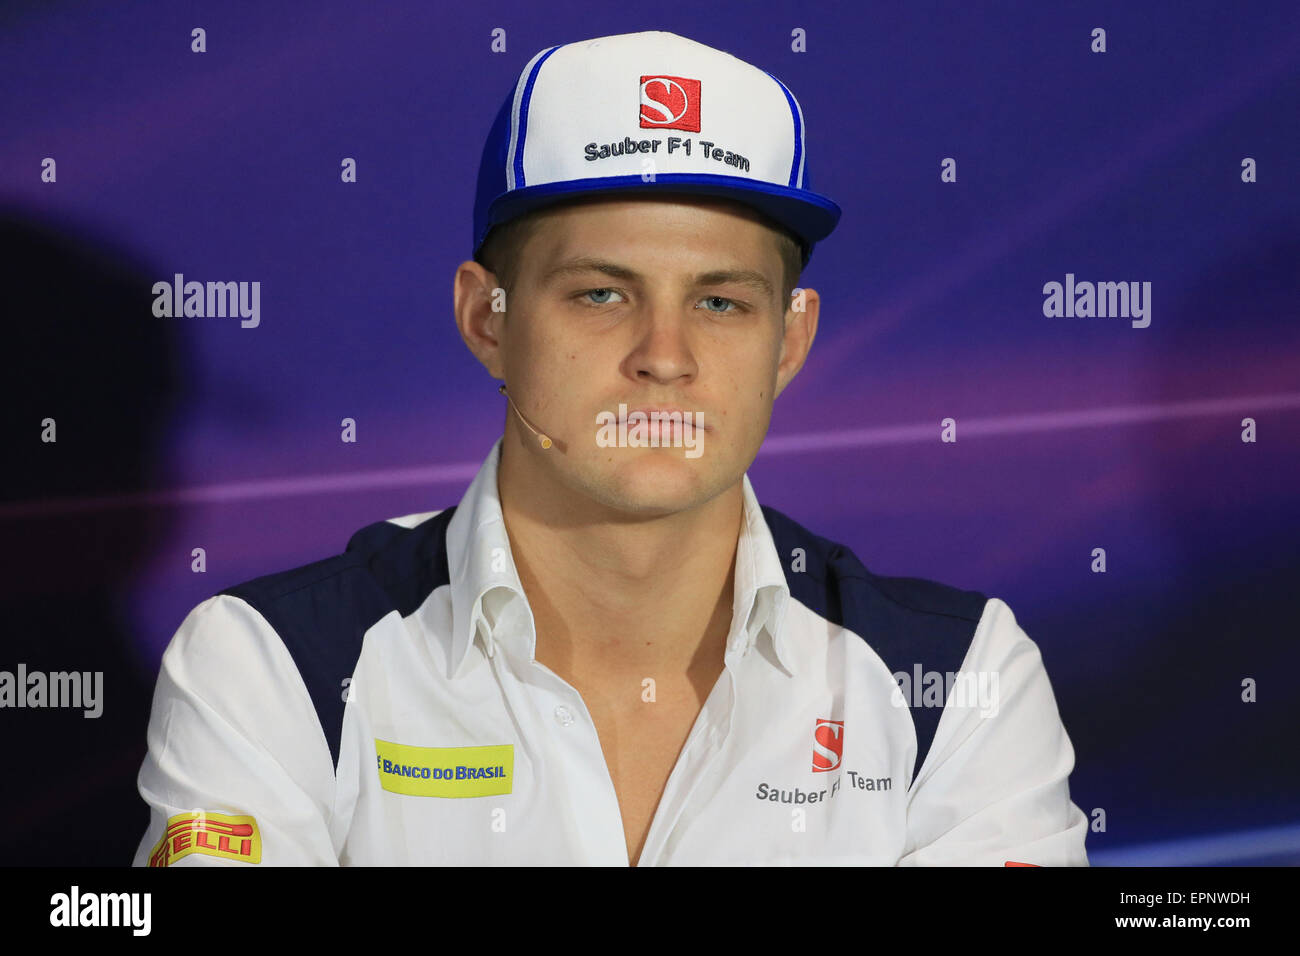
(479,303)
(800,330)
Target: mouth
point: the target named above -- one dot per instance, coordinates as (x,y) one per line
(670,432)
(667,419)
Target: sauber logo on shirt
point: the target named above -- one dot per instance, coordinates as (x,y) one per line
(445,771)
(828,745)
(670,102)
(213,834)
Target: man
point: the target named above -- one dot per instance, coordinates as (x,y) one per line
(608,653)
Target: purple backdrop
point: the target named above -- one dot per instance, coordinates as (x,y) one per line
(1073,433)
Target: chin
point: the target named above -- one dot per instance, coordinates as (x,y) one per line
(654,481)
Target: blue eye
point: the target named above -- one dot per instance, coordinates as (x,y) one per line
(590,292)
(718,298)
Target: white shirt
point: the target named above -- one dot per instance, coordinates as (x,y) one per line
(318,717)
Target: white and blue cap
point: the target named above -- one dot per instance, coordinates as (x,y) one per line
(644,112)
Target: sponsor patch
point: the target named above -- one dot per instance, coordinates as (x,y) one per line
(445,771)
(212,834)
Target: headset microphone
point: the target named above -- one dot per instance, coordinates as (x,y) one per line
(545,441)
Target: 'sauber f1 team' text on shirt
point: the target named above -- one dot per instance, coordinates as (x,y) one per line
(383,707)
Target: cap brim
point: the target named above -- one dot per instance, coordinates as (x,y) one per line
(808,215)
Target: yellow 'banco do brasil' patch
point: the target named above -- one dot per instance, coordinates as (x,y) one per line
(445,771)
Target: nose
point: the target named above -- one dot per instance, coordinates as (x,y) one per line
(662,354)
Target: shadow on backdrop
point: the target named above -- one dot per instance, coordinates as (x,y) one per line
(84,350)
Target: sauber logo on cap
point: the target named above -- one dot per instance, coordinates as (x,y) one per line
(828,745)
(670,102)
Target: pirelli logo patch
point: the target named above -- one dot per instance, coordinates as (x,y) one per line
(212,834)
(445,771)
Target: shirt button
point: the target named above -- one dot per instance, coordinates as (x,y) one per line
(563,716)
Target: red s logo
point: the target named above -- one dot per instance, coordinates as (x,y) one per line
(670,102)
(828,745)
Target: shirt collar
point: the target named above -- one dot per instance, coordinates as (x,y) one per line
(488,604)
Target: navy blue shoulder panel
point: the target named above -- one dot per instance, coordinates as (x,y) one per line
(906,621)
(322,610)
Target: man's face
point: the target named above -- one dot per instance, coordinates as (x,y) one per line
(626,303)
